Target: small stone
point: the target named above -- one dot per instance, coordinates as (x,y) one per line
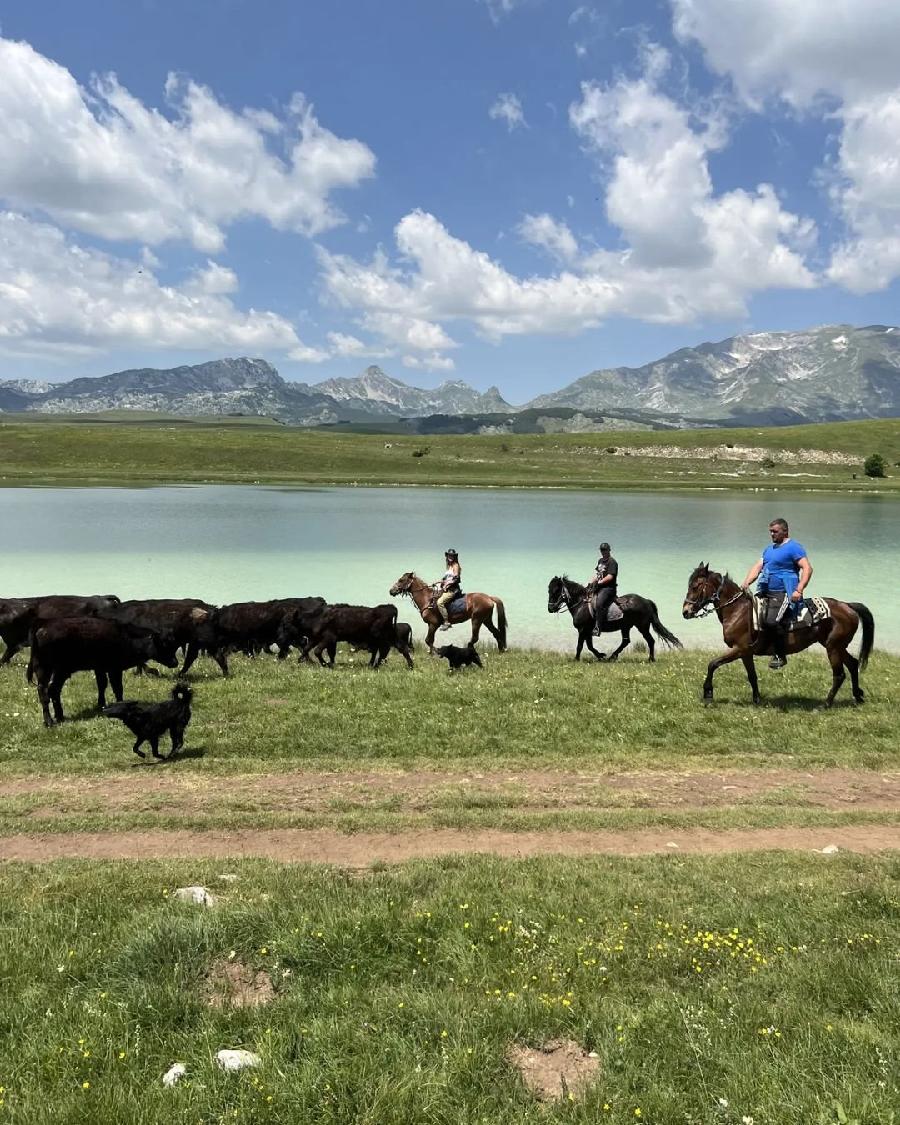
(237,1059)
(671,844)
(174,1074)
(831,849)
(198,896)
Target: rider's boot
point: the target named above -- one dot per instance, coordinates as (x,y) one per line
(442,610)
(779,660)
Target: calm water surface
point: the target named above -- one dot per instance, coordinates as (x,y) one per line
(349,544)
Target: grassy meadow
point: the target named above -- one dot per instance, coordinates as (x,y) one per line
(526,711)
(711,991)
(170,451)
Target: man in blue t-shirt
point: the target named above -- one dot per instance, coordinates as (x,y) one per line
(784,573)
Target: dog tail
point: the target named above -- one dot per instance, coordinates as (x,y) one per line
(183,693)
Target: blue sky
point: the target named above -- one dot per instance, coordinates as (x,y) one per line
(509,192)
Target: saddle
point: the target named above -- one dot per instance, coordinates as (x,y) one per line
(812,611)
(458,605)
(613,610)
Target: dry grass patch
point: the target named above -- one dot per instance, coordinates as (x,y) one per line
(558,1069)
(232,984)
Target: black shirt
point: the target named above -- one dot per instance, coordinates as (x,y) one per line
(610,566)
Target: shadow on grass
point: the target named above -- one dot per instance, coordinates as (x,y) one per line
(179,756)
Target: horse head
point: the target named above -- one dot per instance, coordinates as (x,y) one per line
(703,586)
(403,585)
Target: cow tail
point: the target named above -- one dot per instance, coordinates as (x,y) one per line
(661,631)
(868,637)
(501,624)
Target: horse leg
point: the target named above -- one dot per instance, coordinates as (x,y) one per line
(429,639)
(476,629)
(836,660)
(491,628)
(751,676)
(852,666)
(644,630)
(725,658)
(626,641)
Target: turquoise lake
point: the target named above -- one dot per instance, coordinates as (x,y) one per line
(227,543)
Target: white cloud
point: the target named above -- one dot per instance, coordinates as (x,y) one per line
(688,252)
(554,236)
(102,162)
(433,362)
(508,108)
(303,353)
(796,49)
(500,8)
(57,297)
(213,278)
(841,62)
(343,345)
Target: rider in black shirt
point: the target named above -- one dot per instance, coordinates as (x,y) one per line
(603,585)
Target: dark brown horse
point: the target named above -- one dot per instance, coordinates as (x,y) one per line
(479,607)
(734,608)
(637,613)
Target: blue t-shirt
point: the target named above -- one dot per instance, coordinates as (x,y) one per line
(780,565)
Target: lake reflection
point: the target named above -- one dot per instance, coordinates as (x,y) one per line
(228,543)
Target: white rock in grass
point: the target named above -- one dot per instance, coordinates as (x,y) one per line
(237,1060)
(199,896)
(831,849)
(174,1074)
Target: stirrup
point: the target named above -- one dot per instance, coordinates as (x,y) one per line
(778,662)
(443,628)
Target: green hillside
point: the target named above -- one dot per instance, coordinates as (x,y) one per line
(165,450)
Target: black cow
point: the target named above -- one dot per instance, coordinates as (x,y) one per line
(253,626)
(177,620)
(19,616)
(403,642)
(365,627)
(81,644)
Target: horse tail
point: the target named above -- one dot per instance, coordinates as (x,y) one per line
(868,638)
(501,624)
(661,631)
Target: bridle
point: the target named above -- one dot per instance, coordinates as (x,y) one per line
(564,598)
(704,606)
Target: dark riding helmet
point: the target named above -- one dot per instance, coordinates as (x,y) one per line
(450,554)
(604,547)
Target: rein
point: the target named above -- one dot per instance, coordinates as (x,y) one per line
(565,599)
(703,608)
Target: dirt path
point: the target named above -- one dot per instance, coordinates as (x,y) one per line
(365,848)
(309,791)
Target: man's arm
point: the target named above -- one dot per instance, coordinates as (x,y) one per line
(612,572)
(805,575)
(752,574)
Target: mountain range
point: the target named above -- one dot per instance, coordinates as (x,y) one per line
(830,373)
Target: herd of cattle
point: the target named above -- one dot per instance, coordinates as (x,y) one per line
(106,636)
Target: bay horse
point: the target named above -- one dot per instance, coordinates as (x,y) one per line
(637,613)
(479,608)
(734,608)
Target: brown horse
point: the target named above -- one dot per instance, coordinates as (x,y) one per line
(479,607)
(734,606)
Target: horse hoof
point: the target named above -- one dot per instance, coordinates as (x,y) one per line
(707,700)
